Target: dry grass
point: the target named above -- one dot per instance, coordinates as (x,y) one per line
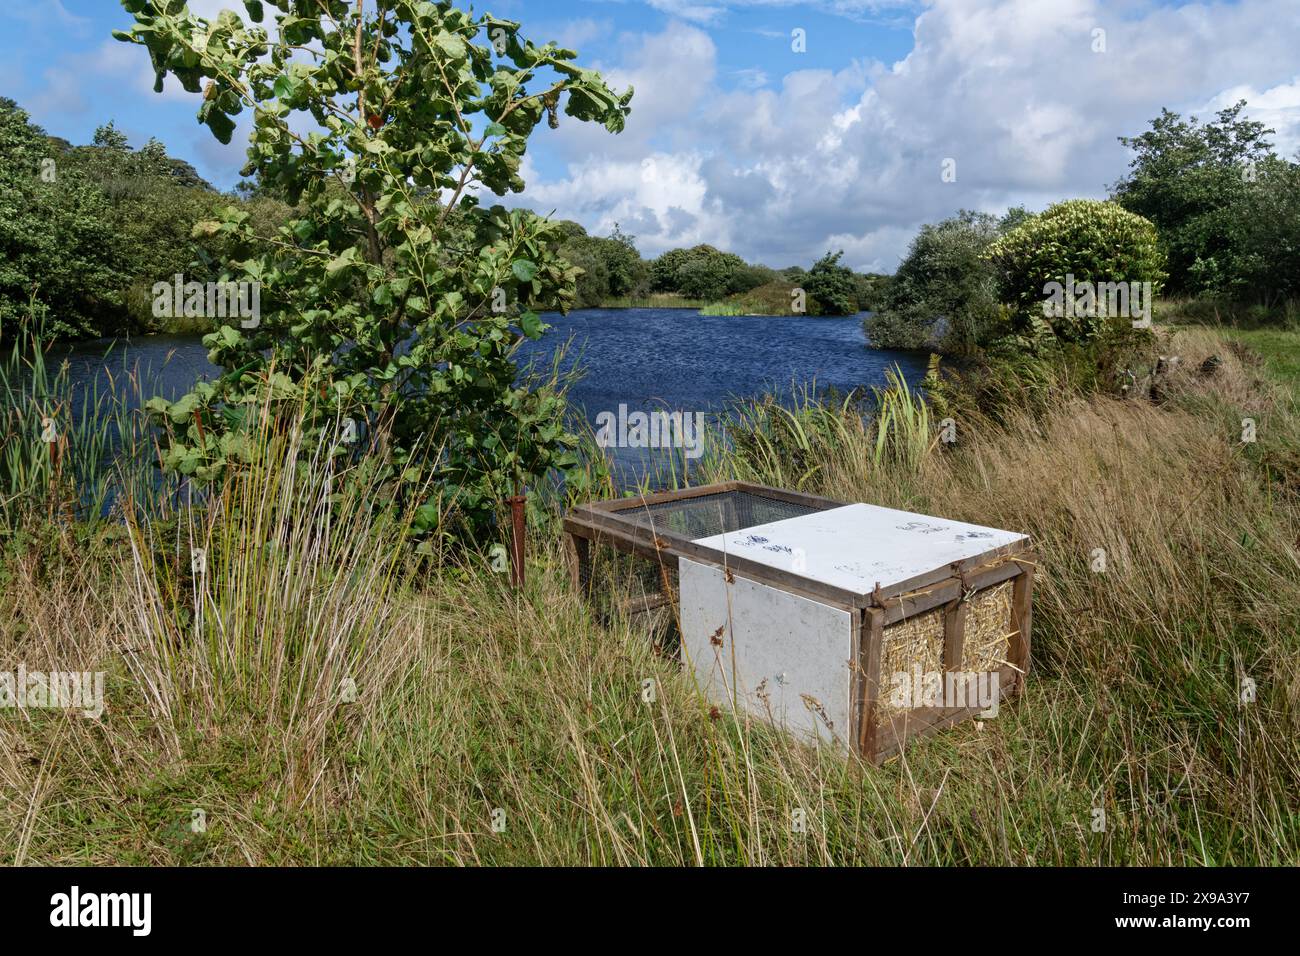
(472,699)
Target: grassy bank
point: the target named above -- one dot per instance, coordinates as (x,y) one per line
(229,685)
(657,300)
(772,299)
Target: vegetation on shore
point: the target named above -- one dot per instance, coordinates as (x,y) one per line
(1207,214)
(88,230)
(291,577)
(472,699)
(716,282)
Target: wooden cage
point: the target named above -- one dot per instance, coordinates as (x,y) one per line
(815,614)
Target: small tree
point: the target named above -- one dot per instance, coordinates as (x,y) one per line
(1081,240)
(395,295)
(944,294)
(832,286)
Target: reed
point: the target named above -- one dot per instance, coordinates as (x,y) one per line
(476,703)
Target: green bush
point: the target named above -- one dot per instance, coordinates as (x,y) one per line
(943,296)
(832,286)
(869,290)
(701,272)
(58,247)
(1083,241)
(748,278)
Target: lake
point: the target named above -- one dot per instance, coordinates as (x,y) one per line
(672,360)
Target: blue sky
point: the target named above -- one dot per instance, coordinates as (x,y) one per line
(737,140)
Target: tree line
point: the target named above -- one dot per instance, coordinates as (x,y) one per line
(1207,212)
(613,271)
(86,231)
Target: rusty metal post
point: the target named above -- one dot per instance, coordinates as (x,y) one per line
(517,530)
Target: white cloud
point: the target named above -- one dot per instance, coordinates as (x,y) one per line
(687,10)
(47,13)
(1012,90)
(1278,108)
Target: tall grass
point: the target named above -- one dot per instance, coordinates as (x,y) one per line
(266,604)
(68,452)
(476,703)
(796,443)
(654,300)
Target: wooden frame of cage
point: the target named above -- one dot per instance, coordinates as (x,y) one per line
(873,736)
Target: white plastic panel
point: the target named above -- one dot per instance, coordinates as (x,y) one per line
(858,546)
(799,647)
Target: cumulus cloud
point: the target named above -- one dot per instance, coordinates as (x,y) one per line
(47,13)
(1026,99)
(1278,108)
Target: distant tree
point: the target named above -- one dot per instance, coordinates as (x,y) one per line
(570,229)
(750,277)
(1266,267)
(869,289)
(628,272)
(1012,218)
(58,244)
(611,267)
(109,137)
(94,227)
(1195,182)
(701,272)
(832,286)
(944,294)
(663,270)
(153,207)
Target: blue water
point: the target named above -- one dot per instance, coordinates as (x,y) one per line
(673,360)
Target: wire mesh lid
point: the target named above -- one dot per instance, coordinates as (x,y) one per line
(720,513)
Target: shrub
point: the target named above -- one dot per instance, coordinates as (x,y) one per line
(701,272)
(832,286)
(1083,239)
(747,278)
(869,289)
(943,296)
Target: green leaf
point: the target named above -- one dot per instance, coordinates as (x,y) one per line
(530,324)
(451,45)
(254,8)
(346,259)
(524,270)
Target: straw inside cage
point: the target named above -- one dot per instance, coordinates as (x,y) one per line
(919,642)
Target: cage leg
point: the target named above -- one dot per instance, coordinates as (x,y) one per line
(870,641)
(1022,623)
(580,563)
